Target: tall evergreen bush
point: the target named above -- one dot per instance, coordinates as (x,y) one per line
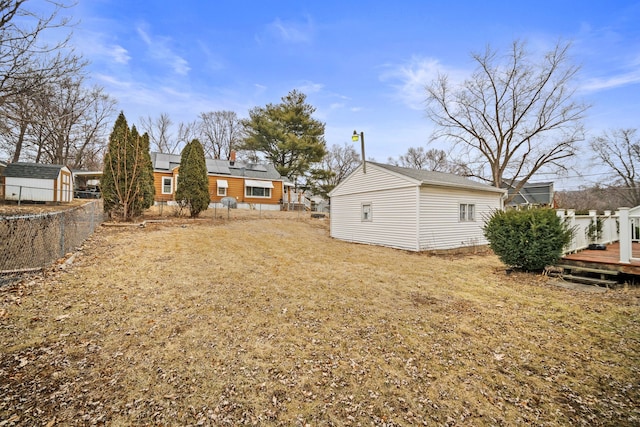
(127,179)
(527,239)
(193,181)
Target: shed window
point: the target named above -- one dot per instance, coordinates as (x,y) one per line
(467,212)
(366,212)
(167,182)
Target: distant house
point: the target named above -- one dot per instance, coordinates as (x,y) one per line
(532,194)
(411,209)
(35,182)
(251,184)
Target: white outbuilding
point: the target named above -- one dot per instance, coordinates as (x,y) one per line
(35,182)
(411,209)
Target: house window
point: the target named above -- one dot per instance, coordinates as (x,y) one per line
(222,185)
(257,192)
(467,212)
(167,182)
(366,212)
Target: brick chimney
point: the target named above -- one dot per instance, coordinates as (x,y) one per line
(232,157)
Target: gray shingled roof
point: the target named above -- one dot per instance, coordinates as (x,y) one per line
(32,170)
(439,178)
(534,193)
(167,162)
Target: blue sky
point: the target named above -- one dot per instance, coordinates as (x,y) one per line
(362,64)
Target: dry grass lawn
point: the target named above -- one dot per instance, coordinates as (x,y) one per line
(268,321)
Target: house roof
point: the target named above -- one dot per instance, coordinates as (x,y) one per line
(32,170)
(426,177)
(163,162)
(532,193)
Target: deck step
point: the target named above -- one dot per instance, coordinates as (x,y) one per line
(589,280)
(577,269)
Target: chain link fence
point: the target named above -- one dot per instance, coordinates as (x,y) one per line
(31,242)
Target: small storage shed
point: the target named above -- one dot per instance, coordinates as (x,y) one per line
(34,182)
(411,209)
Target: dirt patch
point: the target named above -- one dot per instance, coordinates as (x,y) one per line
(268,321)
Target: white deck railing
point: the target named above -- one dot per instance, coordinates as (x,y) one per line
(603,229)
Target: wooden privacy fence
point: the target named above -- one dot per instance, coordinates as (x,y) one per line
(594,229)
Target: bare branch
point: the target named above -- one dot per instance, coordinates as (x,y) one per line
(517,115)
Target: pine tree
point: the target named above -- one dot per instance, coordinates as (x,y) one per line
(287,135)
(193,182)
(127,180)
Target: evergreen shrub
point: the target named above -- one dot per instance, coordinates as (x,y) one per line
(527,239)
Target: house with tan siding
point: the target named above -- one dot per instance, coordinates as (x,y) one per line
(411,209)
(252,185)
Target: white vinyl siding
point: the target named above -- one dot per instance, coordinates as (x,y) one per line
(393,221)
(374,180)
(440,224)
(406,215)
(32,189)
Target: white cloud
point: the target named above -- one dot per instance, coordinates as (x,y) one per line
(310,87)
(160,50)
(100,47)
(111,81)
(410,79)
(611,82)
(119,54)
(292,32)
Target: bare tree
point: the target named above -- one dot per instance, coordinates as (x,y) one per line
(432,159)
(28,64)
(419,158)
(513,117)
(65,124)
(619,150)
(93,128)
(220,133)
(26,61)
(339,162)
(187,132)
(598,197)
(17,118)
(159,131)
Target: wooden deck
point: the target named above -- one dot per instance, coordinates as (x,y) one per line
(608,259)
